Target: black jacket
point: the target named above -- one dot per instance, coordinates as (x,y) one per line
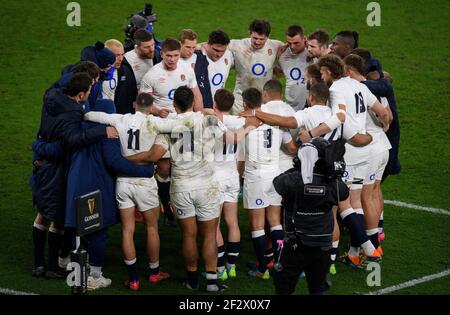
(202,77)
(382,88)
(126,91)
(61,119)
(307,208)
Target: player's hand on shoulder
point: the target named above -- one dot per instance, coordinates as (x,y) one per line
(163,113)
(252,122)
(281,50)
(208,111)
(112,133)
(303,135)
(246,113)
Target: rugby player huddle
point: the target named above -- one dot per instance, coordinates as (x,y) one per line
(174,112)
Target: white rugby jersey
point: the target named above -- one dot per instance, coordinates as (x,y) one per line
(190,61)
(357,99)
(109,87)
(313,116)
(162,83)
(282,109)
(254,67)
(225,154)
(294,69)
(219,70)
(137,132)
(191,148)
(262,151)
(140,66)
(380,141)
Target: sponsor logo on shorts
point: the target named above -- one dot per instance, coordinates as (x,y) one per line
(180,212)
(372,177)
(259,202)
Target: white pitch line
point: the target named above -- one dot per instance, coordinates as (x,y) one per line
(6,291)
(410,283)
(416,207)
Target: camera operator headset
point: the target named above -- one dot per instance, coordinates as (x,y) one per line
(309,192)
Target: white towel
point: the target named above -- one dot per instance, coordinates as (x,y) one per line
(308,156)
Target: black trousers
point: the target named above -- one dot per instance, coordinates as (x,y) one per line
(297,258)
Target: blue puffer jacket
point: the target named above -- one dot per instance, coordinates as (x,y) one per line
(60,121)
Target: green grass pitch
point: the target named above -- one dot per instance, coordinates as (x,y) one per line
(412,44)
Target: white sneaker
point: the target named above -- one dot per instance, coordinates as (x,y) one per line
(63,262)
(97,283)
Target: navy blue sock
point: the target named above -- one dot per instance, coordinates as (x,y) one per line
(260,243)
(164,196)
(268,254)
(276,235)
(357,232)
(132,270)
(374,239)
(221,256)
(39,239)
(233,252)
(193,279)
(55,242)
(211,278)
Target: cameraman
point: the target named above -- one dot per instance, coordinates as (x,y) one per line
(309,192)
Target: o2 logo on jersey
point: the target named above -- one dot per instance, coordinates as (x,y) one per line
(217,79)
(259,69)
(112,84)
(171,93)
(259,202)
(295,74)
(345,175)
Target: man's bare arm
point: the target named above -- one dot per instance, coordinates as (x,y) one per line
(153,155)
(291,147)
(198,100)
(360,140)
(272,119)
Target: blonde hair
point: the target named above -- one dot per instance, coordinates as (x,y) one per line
(187,34)
(110,43)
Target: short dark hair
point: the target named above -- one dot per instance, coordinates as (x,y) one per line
(183,98)
(218,37)
(355,62)
(89,67)
(294,30)
(252,97)
(170,44)
(224,100)
(79,82)
(141,36)
(320,92)
(334,63)
(273,86)
(321,36)
(363,53)
(144,100)
(350,37)
(260,26)
(313,71)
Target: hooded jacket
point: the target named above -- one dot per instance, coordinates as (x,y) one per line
(61,119)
